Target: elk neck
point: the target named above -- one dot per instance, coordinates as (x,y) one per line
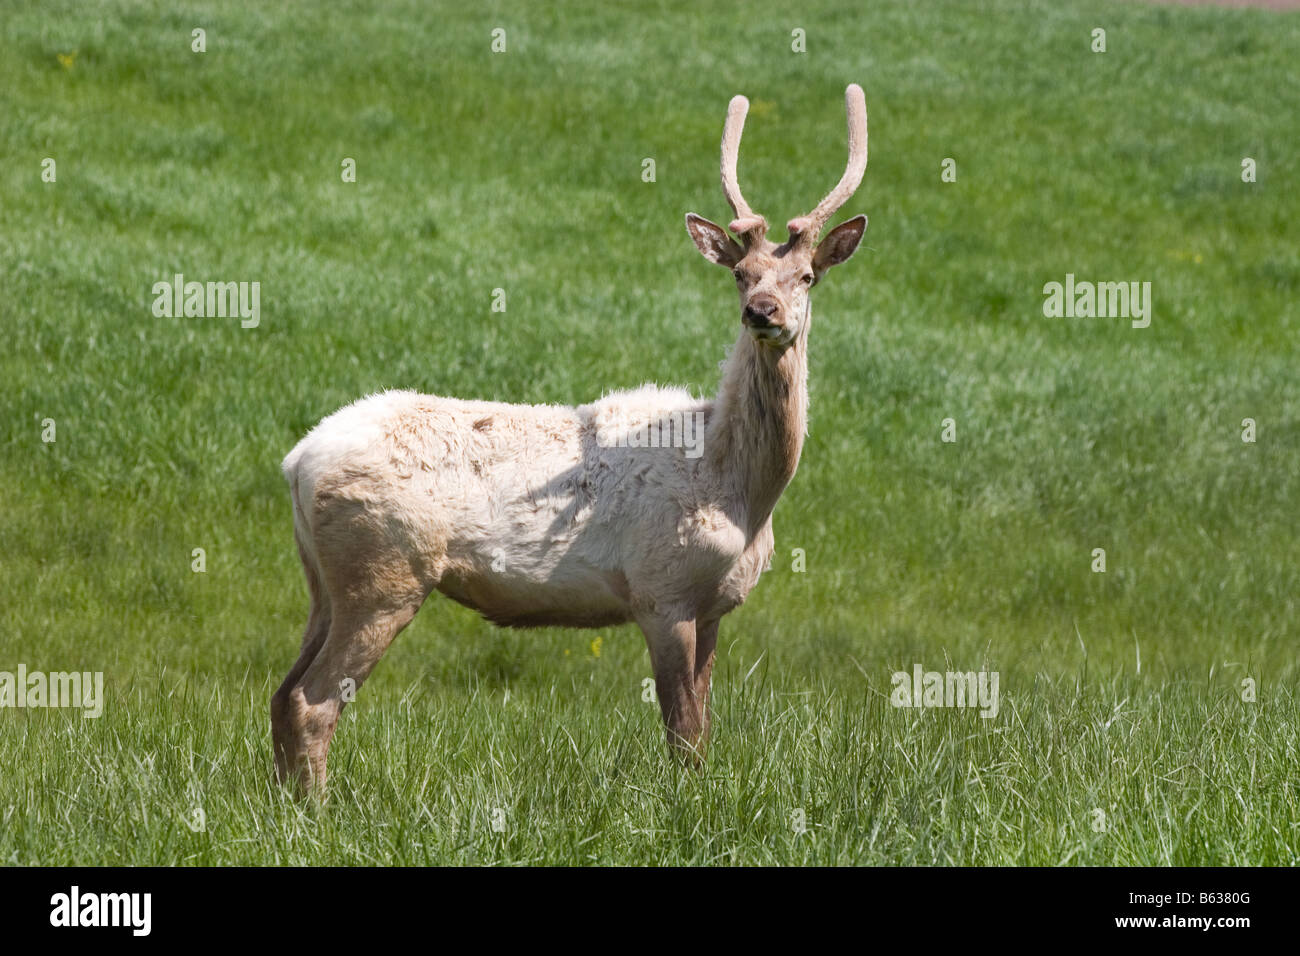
(759,419)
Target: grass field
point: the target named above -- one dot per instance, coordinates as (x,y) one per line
(1121,692)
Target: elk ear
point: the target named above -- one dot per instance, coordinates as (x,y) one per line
(713,242)
(839,244)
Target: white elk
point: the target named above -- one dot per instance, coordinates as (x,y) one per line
(549,515)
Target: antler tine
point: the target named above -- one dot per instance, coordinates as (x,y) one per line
(746,221)
(855,108)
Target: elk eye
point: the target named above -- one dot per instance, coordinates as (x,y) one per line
(739,274)
(807,278)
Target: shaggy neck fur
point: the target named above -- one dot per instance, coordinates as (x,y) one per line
(760,417)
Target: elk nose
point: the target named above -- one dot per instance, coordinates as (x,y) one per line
(759,312)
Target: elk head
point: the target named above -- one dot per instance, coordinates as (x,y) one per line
(774,280)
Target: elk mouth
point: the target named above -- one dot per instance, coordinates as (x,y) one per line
(773,335)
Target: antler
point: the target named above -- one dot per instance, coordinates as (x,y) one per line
(746,222)
(855,108)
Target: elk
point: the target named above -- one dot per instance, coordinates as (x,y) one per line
(538,515)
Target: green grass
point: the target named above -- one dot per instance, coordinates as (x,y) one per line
(523,171)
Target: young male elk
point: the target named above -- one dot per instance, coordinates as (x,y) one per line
(533,516)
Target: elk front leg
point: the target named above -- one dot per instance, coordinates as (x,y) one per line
(672,655)
(706,642)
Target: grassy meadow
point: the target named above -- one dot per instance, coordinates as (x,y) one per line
(1122,735)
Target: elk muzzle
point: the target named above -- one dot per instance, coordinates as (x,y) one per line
(761,313)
